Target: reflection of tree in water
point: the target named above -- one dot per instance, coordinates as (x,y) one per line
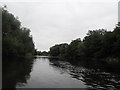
(16,71)
(95,75)
(98,79)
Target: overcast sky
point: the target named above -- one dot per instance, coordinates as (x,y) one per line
(60,21)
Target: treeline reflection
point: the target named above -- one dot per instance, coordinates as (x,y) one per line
(16,71)
(94,75)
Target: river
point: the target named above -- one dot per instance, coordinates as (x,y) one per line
(45,72)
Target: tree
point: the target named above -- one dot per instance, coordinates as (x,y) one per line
(73,48)
(54,51)
(93,43)
(16,40)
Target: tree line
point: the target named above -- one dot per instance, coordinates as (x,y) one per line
(96,45)
(41,53)
(16,40)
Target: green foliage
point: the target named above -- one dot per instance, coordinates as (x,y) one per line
(116,43)
(74,47)
(54,51)
(43,53)
(15,40)
(93,43)
(98,44)
(59,50)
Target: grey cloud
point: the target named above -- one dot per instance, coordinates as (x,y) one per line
(57,21)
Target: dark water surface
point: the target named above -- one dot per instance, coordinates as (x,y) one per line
(43,72)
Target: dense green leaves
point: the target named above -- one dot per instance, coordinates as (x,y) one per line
(98,44)
(93,43)
(43,53)
(59,50)
(16,40)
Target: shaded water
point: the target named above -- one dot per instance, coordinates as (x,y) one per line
(43,72)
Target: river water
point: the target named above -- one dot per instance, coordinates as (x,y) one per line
(44,72)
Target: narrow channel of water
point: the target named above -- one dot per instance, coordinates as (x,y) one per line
(42,72)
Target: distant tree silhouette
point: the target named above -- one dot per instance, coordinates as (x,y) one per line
(97,44)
